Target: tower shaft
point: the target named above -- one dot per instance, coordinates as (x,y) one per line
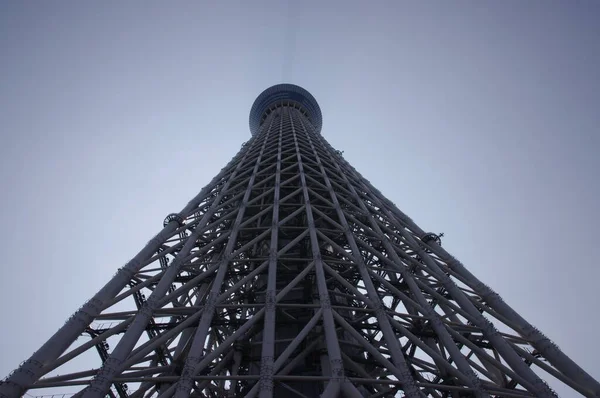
(289,274)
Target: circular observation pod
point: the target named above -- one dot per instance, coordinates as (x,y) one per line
(284,94)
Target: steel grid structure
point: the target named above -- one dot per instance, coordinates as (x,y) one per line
(290,274)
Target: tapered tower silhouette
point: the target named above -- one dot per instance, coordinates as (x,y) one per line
(289,275)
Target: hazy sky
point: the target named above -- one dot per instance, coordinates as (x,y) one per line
(479,119)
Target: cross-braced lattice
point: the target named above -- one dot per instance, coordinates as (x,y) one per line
(290,274)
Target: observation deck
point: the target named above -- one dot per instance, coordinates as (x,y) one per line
(284,95)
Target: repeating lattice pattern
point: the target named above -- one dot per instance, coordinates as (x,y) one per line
(290,274)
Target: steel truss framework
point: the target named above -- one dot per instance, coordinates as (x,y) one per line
(290,274)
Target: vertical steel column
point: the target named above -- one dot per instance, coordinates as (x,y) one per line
(333,347)
(395,350)
(289,349)
(268,340)
(428,312)
(184,385)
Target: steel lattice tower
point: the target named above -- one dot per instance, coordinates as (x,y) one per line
(290,275)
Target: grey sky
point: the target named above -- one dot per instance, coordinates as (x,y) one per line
(478,119)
